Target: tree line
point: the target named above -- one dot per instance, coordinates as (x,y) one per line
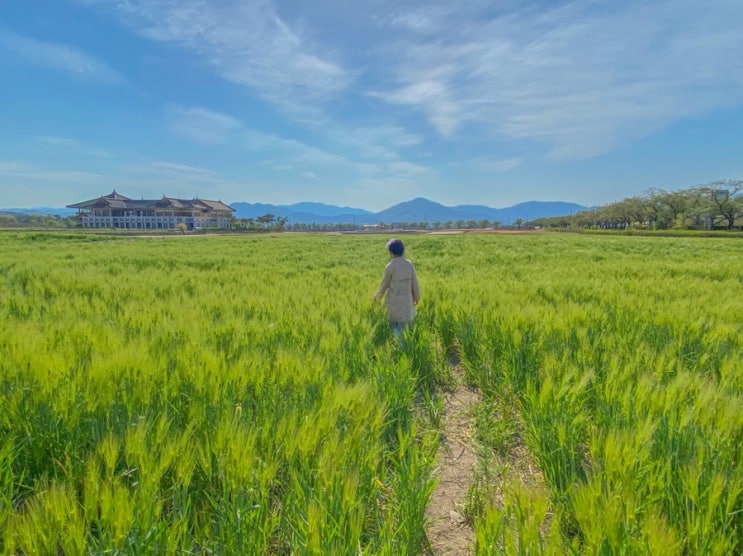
(269,222)
(18,220)
(717,205)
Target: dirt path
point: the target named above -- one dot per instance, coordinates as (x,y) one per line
(448,532)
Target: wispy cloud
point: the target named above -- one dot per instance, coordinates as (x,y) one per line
(59,57)
(363,153)
(382,142)
(74,146)
(150,179)
(406,169)
(245,42)
(207,126)
(580,77)
(36,173)
(202,125)
(183,170)
(508,164)
(173,179)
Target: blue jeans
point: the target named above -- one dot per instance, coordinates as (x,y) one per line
(397,328)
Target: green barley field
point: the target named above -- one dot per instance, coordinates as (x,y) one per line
(243,395)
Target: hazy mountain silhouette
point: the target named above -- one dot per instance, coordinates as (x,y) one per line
(416,210)
(303,213)
(39,210)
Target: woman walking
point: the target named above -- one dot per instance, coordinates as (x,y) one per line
(400,284)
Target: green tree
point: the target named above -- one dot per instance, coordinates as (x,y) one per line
(266,221)
(281,222)
(724,201)
(678,206)
(8,221)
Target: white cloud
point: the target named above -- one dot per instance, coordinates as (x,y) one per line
(506,164)
(74,146)
(391,135)
(358,154)
(202,125)
(183,170)
(172,179)
(277,166)
(33,172)
(244,42)
(50,185)
(59,57)
(382,143)
(581,77)
(406,169)
(207,126)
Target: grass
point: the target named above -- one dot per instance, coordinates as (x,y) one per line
(243,394)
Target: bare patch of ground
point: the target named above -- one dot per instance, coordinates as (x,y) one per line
(449,533)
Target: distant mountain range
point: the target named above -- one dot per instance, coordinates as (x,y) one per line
(39,210)
(417,210)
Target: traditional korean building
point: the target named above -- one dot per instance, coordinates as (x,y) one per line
(117,211)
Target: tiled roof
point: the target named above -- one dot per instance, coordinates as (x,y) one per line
(111,197)
(116,201)
(217,205)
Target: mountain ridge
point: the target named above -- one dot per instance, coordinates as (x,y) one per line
(415,210)
(418,209)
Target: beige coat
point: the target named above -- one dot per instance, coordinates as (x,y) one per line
(400,283)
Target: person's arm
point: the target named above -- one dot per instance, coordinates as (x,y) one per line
(385,285)
(415,287)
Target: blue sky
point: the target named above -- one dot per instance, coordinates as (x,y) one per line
(367,104)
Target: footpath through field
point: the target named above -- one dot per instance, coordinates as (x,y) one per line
(449,532)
